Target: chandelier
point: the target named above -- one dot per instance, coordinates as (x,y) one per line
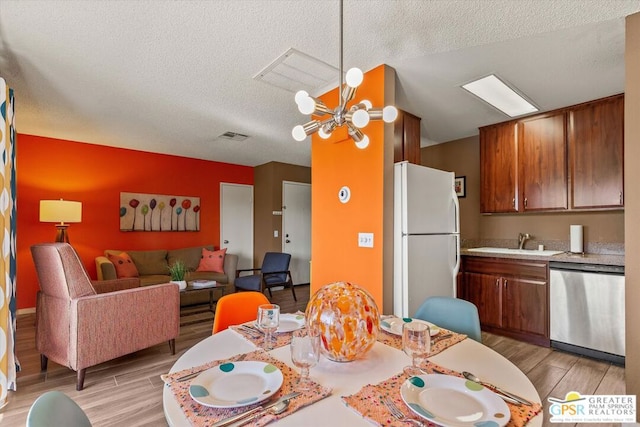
(355,118)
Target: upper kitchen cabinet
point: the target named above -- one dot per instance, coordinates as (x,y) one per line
(407,138)
(498,168)
(596,140)
(542,161)
(566,159)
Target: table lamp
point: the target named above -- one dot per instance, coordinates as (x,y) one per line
(62,212)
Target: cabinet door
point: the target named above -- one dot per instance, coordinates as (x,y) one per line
(542,157)
(484,291)
(407,138)
(596,140)
(498,168)
(525,306)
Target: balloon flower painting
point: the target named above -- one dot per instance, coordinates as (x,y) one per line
(155,212)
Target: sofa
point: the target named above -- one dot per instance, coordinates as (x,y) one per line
(152,267)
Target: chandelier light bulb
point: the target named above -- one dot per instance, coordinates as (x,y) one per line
(389,113)
(367,103)
(322,134)
(354,77)
(363,143)
(298,133)
(360,118)
(307,105)
(300,96)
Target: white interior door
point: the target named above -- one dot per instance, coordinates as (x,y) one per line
(236,222)
(296,228)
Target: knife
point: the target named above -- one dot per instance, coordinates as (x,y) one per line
(234,418)
(441,337)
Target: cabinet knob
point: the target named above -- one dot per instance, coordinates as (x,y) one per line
(621,198)
(513,202)
(525,202)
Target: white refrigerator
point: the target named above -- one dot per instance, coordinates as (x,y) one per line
(426,236)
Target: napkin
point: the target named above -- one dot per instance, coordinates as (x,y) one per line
(368,401)
(201,416)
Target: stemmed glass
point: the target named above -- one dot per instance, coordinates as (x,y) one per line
(416,343)
(268,320)
(305,353)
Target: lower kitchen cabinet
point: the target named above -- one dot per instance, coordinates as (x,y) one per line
(511,296)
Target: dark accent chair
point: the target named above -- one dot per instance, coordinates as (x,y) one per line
(273,273)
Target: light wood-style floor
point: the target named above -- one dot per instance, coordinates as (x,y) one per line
(128,391)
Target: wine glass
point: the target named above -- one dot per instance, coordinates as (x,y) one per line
(416,343)
(268,320)
(305,353)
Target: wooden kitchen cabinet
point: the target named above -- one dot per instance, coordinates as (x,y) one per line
(567,159)
(511,296)
(596,150)
(498,168)
(542,158)
(407,138)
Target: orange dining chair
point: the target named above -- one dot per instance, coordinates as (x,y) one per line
(234,309)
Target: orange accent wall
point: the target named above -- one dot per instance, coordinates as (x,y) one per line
(337,162)
(50,168)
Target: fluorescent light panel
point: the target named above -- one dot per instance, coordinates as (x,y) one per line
(496,93)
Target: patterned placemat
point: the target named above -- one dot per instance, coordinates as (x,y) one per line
(202,416)
(256,337)
(441,341)
(368,402)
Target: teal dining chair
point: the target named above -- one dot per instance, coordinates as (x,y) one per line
(451,313)
(55,408)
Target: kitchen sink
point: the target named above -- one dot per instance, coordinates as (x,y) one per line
(507,251)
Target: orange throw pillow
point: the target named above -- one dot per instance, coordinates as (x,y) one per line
(212,260)
(124,265)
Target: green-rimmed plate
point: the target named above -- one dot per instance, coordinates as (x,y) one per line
(454,402)
(236,384)
(290,322)
(393,325)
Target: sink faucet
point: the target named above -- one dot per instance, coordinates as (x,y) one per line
(522,238)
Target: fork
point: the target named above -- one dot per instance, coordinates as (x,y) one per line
(398,414)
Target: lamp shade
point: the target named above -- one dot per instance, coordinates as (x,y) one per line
(60,211)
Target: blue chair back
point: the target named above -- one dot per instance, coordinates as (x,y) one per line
(274,262)
(454,314)
(55,408)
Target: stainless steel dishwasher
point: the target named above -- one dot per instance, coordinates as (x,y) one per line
(587,309)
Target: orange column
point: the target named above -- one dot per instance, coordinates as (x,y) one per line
(337,162)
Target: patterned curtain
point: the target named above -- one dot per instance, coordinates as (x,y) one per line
(8,362)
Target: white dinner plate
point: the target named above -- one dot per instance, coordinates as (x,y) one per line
(290,322)
(454,402)
(235,384)
(393,325)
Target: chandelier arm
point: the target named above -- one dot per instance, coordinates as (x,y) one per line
(342,104)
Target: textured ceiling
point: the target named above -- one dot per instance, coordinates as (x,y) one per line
(170,77)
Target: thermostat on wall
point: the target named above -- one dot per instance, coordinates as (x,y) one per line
(344,194)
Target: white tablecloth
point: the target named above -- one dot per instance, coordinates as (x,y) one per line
(347,378)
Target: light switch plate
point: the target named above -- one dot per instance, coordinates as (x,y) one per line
(365,240)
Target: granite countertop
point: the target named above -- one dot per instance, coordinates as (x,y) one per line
(587,258)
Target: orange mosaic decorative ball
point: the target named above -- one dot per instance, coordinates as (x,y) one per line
(347,318)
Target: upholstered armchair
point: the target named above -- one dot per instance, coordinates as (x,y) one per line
(80,324)
(273,273)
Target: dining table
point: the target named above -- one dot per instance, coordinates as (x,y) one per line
(380,363)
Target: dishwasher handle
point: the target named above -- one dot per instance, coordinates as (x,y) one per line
(587,268)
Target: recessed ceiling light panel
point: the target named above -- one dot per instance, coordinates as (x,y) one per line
(499,95)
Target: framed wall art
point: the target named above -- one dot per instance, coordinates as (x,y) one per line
(460,185)
(158,212)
